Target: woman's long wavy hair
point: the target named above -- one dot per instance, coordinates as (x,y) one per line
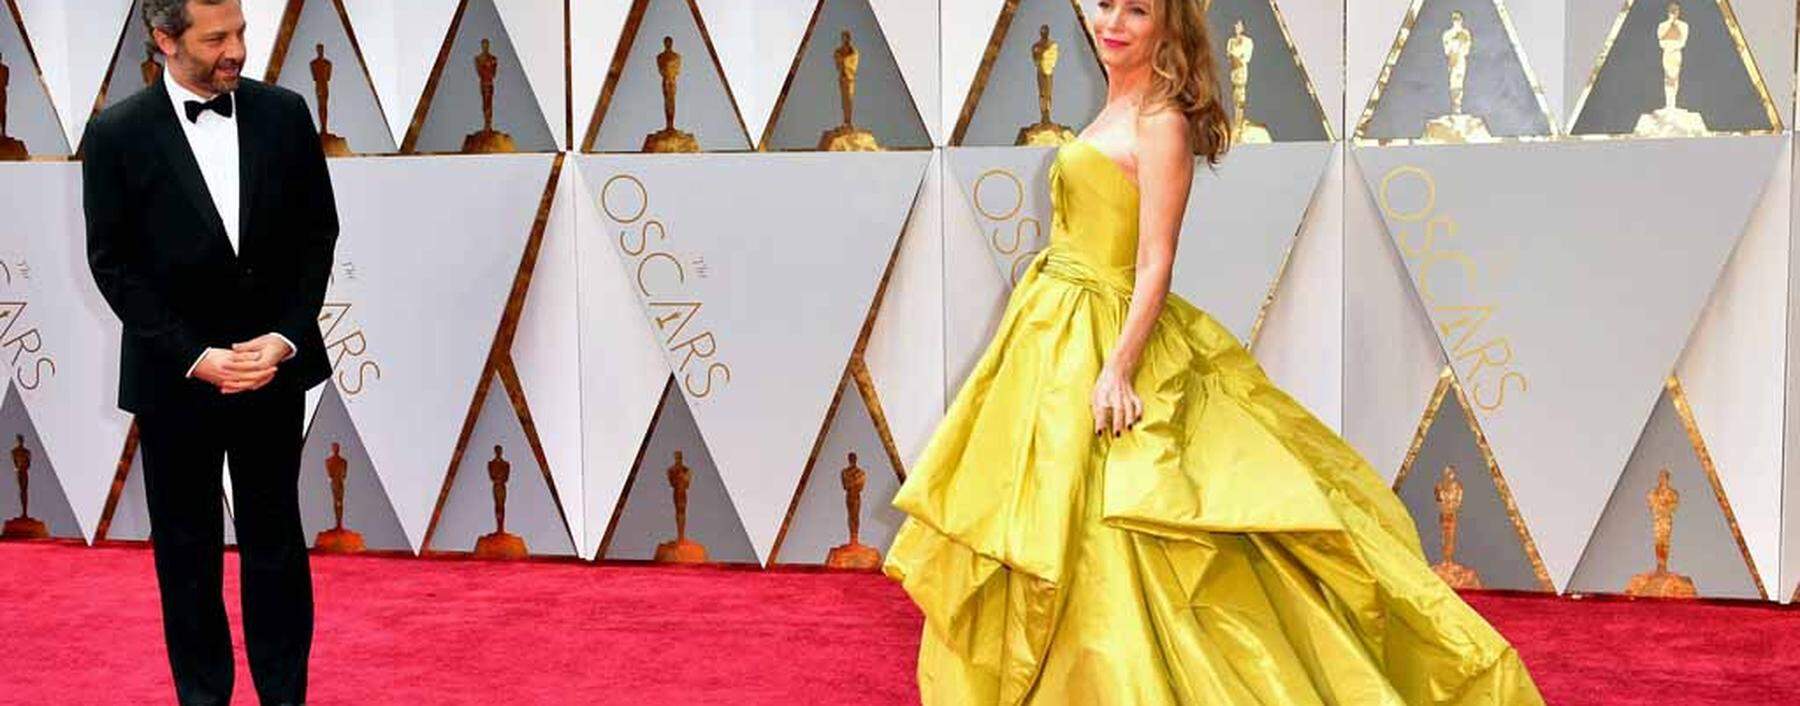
(1184,77)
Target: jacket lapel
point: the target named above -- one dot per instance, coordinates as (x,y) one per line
(180,157)
(250,125)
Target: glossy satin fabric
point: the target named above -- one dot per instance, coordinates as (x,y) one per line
(1230,549)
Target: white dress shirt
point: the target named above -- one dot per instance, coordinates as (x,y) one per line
(214,141)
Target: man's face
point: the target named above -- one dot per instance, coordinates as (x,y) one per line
(209,56)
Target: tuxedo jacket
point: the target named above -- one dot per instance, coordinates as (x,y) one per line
(160,254)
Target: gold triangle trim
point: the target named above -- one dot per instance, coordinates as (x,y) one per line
(1678,397)
(1387,69)
(1447,384)
(410,144)
(762,145)
(622,53)
(117,489)
(1737,39)
(978,87)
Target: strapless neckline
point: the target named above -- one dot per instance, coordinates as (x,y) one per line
(1117,171)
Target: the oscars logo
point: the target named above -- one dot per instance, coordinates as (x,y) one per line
(848,137)
(321,73)
(150,70)
(1238,49)
(1661,583)
(1449,494)
(669,139)
(661,278)
(855,554)
(1670,120)
(338,539)
(1044,133)
(24,526)
(349,343)
(1457,127)
(488,140)
(10,148)
(680,550)
(499,544)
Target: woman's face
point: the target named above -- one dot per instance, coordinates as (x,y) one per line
(1125,32)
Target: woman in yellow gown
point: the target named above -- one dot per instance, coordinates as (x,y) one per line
(1120,508)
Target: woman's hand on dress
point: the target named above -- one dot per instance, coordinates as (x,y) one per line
(1115,405)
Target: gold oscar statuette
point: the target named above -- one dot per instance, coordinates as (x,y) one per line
(855,554)
(151,69)
(1458,127)
(499,544)
(1449,493)
(848,137)
(680,550)
(1671,120)
(487,140)
(24,526)
(1239,48)
(1661,583)
(338,539)
(321,73)
(10,148)
(1044,132)
(669,139)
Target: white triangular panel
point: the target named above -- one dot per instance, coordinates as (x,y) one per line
(1731,361)
(594,33)
(61,340)
(536,27)
(76,67)
(1388,339)
(419,29)
(1301,341)
(1240,225)
(966,28)
(757,288)
(546,350)
(904,352)
(419,289)
(756,44)
(1534,263)
(621,369)
(912,30)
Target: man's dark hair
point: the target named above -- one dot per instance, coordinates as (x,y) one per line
(170,16)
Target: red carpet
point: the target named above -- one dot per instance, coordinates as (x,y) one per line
(79,626)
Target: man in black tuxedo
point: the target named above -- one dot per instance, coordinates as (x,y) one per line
(210,229)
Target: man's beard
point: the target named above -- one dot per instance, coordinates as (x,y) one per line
(210,77)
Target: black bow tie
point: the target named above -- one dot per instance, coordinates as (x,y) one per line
(220,104)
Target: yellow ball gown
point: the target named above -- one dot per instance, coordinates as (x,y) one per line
(1230,549)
